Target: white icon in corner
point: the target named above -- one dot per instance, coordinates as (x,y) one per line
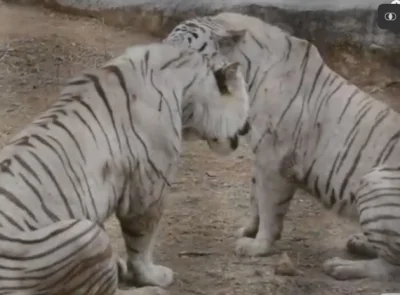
(395,2)
(390,16)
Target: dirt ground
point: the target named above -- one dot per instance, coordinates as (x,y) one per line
(39,49)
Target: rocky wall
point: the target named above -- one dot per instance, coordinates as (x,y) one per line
(331,25)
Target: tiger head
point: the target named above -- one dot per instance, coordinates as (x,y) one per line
(218,111)
(236,37)
(228,76)
(211,41)
(208,35)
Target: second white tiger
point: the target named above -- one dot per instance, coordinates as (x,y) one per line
(310,128)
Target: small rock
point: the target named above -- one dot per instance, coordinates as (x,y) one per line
(30,59)
(374,46)
(211,174)
(285,266)
(277,281)
(258,273)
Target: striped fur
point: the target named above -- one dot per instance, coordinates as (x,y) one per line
(110,144)
(310,129)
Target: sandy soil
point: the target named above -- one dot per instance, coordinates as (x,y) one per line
(39,49)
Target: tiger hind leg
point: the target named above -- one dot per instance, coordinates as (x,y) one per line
(377,201)
(67,257)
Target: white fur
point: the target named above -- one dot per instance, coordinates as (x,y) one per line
(110,144)
(310,128)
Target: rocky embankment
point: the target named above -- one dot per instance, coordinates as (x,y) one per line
(333,26)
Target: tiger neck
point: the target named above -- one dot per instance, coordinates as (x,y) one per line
(187,82)
(278,79)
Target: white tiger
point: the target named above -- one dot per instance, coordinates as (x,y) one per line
(110,144)
(311,129)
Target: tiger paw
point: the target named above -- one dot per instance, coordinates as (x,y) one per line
(139,275)
(378,268)
(157,275)
(252,247)
(144,291)
(343,269)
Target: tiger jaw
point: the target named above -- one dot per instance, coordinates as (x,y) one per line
(220,146)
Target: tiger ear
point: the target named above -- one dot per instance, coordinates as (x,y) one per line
(226,76)
(230,38)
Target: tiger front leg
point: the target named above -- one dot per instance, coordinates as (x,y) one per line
(273,192)
(139,232)
(250,229)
